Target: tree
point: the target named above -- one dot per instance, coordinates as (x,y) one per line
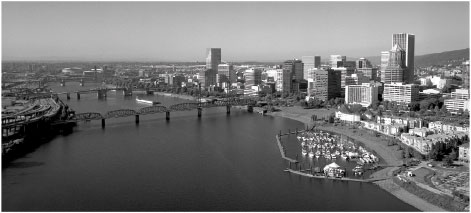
(453,155)
(448,161)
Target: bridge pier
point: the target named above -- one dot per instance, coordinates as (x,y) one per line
(228,109)
(82,83)
(103,123)
(78,95)
(68,96)
(167,115)
(127,91)
(102,93)
(149,92)
(137,119)
(200,110)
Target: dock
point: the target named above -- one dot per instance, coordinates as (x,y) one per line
(369,180)
(283,152)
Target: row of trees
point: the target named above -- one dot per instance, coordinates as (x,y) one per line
(316,103)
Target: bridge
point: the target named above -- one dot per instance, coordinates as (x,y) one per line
(88,116)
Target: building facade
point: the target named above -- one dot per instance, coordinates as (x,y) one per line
(253,77)
(337,61)
(364,94)
(324,84)
(228,71)
(401,93)
(407,42)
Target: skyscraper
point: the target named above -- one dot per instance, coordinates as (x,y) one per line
(337,61)
(324,84)
(253,77)
(384,64)
(465,75)
(395,70)
(213,59)
(407,42)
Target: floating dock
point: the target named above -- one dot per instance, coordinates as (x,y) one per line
(283,152)
(334,178)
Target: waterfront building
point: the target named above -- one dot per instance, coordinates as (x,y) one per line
(228,71)
(324,84)
(310,62)
(337,61)
(406,41)
(463,152)
(401,93)
(395,69)
(344,72)
(411,123)
(424,144)
(282,79)
(364,94)
(213,59)
(253,77)
(344,114)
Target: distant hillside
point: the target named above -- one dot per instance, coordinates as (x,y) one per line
(454,57)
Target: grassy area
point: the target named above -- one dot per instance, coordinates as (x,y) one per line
(422,174)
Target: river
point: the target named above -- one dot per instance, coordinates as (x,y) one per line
(215,163)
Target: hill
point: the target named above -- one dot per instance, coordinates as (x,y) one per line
(454,57)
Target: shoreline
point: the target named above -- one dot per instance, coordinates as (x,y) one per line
(386,185)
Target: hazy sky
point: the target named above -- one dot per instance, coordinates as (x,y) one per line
(263,31)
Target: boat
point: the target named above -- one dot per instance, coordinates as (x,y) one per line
(304,151)
(318,154)
(311,154)
(146,101)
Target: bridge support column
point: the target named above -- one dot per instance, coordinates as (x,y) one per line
(127,91)
(68,96)
(228,109)
(78,95)
(137,119)
(167,115)
(249,108)
(200,110)
(103,123)
(82,83)
(149,92)
(101,93)
(62,83)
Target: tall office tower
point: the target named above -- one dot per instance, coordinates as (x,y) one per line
(337,61)
(282,79)
(384,63)
(213,59)
(465,75)
(207,78)
(395,69)
(227,70)
(317,61)
(407,42)
(253,77)
(309,63)
(363,63)
(295,67)
(344,72)
(324,84)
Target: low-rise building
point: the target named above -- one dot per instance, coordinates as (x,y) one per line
(424,144)
(463,151)
(401,93)
(441,127)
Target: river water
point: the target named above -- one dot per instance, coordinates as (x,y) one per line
(216,163)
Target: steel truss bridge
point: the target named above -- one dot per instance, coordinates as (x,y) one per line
(87,116)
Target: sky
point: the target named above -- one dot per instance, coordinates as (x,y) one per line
(246,31)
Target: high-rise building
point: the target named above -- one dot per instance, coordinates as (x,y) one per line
(371,73)
(345,71)
(384,64)
(213,59)
(207,78)
(317,61)
(364,94)
(309,62)
(401,93)
(407,42)
(324,84)
(337,61)
(228,71)
(395,69)
(253,77)
(295,67)
(363,63)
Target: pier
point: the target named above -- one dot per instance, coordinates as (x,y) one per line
(369,180)
(282,151)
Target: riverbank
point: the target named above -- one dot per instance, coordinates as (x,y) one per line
(186,97)
(411,199)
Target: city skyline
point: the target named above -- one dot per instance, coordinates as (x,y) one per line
(247,31)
